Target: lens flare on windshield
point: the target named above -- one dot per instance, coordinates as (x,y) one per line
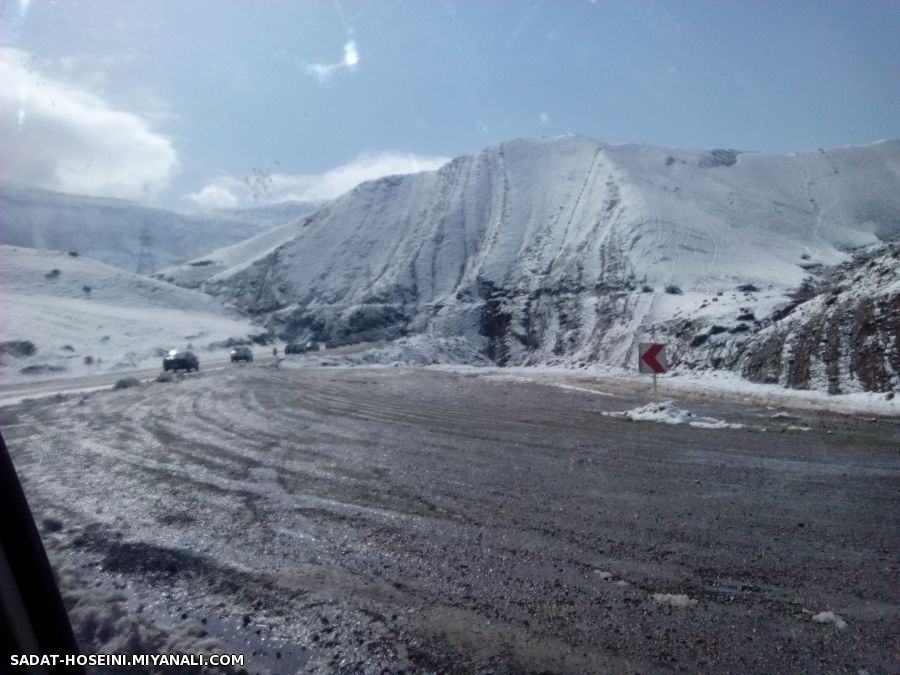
(351,56)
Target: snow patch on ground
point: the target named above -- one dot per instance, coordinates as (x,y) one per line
(587,390)
(674,600)
(669,413)
(830,617)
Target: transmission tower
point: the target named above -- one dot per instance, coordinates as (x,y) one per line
(145,258)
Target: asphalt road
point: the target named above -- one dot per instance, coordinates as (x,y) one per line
(17,391)
(361,519)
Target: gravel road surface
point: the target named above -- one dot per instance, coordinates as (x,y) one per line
(356,520)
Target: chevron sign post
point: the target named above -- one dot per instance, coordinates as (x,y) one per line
(652,359)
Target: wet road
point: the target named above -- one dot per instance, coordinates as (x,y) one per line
(429,521)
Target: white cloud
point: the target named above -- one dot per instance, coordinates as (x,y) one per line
(215,196)
(59,136)
(265,188)
(544,118)
(323,71)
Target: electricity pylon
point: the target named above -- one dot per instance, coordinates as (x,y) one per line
(145,258)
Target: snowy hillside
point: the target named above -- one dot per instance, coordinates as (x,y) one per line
(229,260)
(268,215)
(565,251)
(109,229)
(69,307)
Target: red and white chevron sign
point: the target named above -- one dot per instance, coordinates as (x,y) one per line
(652,357)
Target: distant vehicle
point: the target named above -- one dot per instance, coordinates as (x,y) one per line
(300,347)
(241,353)
(176,360)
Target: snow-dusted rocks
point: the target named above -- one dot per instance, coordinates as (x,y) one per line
(845,337)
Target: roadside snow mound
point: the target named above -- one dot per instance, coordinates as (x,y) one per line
(420,350)
(669,413)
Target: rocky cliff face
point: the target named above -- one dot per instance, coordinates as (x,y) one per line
(844,338)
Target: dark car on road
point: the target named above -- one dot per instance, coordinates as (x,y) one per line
(299,347)
(176,360)
(241,354)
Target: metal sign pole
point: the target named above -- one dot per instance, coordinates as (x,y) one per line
(655,394)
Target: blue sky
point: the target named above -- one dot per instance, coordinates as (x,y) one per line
(176,103)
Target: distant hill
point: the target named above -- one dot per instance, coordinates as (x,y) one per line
(109,230)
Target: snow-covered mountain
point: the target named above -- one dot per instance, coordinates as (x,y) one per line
(565,250)
(57,309)
(109,230)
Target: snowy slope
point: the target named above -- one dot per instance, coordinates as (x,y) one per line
(268,215)
(565,250)
(124,319)
(228,260)
(109,229)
